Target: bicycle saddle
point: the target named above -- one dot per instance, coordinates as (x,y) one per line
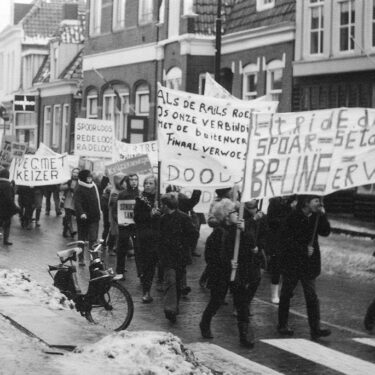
(66,254)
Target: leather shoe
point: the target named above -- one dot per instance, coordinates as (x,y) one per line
(8,243)
(171,316)
(285,331)
(315,335)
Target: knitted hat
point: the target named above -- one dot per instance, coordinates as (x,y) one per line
(306,198)
(82,175)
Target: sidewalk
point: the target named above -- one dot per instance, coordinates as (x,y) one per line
(347,224)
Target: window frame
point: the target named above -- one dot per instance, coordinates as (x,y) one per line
(118,23)
(320,30)
(248,70)
(173,79)
(65,121)
(145,12)
(138,94)
(271,68)
(89,99)
(47,123)
(56,126)
(95,17)
(351,24)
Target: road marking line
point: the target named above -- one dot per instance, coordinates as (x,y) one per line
(366,341)
(295,312)
(220,359)
(324,356)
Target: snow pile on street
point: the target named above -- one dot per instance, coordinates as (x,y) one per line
(135,353)
(19,283)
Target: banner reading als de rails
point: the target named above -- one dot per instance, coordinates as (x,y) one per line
(139,165)
(34,170)
(315,152)
(125,211)
(202,140)
(94,138)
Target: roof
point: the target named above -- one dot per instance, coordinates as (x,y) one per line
(240,15)
(45,16)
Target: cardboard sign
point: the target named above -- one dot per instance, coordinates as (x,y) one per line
(94,138)
(34,170)
(125,211)
(11,150)
(315,152)
(139,165)
(129,150)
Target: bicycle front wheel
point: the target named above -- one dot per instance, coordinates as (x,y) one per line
(114,310)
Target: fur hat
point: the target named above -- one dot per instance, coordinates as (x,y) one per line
(82,175)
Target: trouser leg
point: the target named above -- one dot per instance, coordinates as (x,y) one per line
(122,249)
(287,289)
(312,304)
(6,229)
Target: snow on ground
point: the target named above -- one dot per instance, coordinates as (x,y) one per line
(19,283)
(125,353)
(135,353)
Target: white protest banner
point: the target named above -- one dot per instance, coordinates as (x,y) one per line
(94,138)
(129,150)
(215,90)
(44,150)
(125,211)
(34,170)
(316,152)
(10,151)
(202,140)
(139,165)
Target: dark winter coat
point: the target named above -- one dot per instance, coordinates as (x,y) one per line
(219,253)
(295,239)
(86,201)
(25,196)
(177,236)
(7,206)
(278,211)
(186,204)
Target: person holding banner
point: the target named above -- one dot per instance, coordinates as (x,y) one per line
(126,225)
(219,253)
(300,261)
(146,218)
(7,206)
(87,207)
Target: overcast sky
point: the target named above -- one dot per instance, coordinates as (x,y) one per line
(5,11)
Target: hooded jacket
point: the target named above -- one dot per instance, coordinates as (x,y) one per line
(86,201)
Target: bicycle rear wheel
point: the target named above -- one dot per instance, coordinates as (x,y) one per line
(114,310)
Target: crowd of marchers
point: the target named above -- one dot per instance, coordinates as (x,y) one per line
(164,235)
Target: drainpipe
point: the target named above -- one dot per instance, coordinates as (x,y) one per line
(218,42)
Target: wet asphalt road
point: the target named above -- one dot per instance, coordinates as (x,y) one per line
(343,303)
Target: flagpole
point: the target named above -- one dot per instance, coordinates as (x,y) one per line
(240,214)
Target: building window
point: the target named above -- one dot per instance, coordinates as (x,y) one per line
(116,109)
(161,12)
(56,127)
(250,82)
(47,125)
(95,16)
(119,14)
(92,104)
(274,79)
(189,8)
(145,12)
(347,25)
(142,100)
(173,79)
(265,4)
(316,26)
(65,128)
(202,83)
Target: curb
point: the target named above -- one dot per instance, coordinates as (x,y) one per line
(353,232)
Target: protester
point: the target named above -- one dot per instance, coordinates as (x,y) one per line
(105,191)
(7,206)
(146,217)
(218,254)
(68,190)
(300,261)
(54,191)
(177,235)
(118,179)
(26,203)
(278,210)
(126,231)
(87,207)
(38,201)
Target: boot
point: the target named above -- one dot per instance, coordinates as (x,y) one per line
(275,294)
(204,325)
(246,337)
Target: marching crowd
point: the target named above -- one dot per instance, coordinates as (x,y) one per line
(164,237)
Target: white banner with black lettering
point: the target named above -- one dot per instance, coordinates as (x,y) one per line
(34,170)
(125,211)
(315,152)
(94,138)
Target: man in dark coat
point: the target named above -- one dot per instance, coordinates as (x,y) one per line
(87,207)
(300,261)
(7,206)
(177,234)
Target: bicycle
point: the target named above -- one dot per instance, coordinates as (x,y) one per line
(107,302)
